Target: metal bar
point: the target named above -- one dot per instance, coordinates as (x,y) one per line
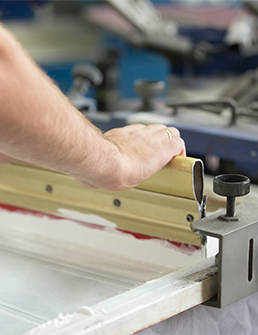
(149,210)
(223,103)
(141,14)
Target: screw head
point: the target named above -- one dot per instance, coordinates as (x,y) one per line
(231,185)
(49,188)
(117,202)
(189,218)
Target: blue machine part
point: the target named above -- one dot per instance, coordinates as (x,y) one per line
(19,10)
(221,62)
(136,64)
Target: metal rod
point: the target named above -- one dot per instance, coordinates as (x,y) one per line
(231,207)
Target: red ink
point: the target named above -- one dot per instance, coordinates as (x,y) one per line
(26,211)
(139,236)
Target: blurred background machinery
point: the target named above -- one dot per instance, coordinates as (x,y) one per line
(191,64)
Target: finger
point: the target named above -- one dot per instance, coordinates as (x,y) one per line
(168,133)
(166,148)
(175,145)
(179,147)
(173,131)
(183,152)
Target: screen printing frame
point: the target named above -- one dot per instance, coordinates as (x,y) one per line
(169,198)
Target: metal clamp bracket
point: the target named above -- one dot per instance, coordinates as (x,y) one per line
(238,252)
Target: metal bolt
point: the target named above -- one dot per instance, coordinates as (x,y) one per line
(231,186)
(117,202)
(189,218)
(49,188)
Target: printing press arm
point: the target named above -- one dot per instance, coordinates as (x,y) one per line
(155,33)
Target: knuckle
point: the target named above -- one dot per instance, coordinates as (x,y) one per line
(182,142)
(112,131)
(176,132)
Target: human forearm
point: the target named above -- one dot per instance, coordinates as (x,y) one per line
(38,124)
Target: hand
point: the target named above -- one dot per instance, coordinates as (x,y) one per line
(6,159)
(144,150)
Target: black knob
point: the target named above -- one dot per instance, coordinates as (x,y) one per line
(148,90)
(86,75)
(231,186)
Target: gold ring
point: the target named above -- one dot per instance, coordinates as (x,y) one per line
(169,133)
